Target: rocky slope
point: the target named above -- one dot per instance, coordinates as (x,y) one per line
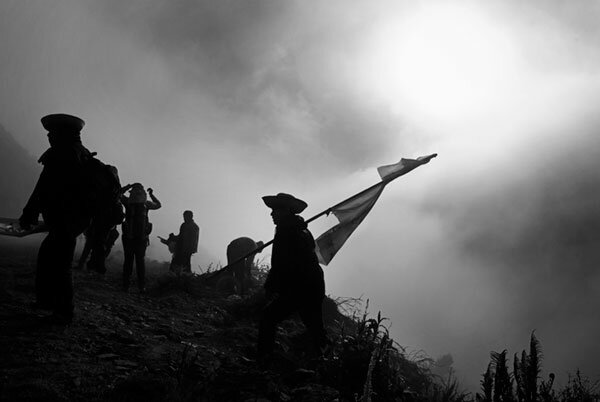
(181,341)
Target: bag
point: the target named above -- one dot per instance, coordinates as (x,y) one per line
(136,224)
(102,190)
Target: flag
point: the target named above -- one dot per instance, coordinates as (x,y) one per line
(351,212)
(391,172)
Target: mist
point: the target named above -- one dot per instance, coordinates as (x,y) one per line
(215,104)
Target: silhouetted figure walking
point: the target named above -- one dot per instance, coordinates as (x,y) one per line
(186,244)
(135,231)
(104,243)
(87,248)
(103,230)
(295,281)
(241,271)
(60,196)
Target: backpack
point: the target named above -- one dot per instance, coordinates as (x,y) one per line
(136,224)
(102,191)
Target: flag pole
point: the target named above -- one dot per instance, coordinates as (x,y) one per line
(327,212)
(317,216)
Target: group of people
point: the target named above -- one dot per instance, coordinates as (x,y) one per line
(70,206)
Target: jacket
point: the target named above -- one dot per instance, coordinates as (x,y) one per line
(295,269)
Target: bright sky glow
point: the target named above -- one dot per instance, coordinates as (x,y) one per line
(441,61)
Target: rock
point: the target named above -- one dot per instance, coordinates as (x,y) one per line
(199,334)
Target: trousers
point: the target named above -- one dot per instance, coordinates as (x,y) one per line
(53,278)
(134,249)
(279,309)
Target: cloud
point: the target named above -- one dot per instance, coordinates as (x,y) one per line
(275,87)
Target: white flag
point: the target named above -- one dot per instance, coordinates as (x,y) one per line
(350,213)
(391,172)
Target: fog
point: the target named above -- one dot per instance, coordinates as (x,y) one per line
(215,104)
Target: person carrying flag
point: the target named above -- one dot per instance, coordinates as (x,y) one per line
(295,282)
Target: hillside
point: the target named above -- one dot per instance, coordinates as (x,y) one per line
(19,173)
(183,341)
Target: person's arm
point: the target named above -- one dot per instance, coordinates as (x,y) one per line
(124,199)
(196,237)
(126,188)
(155,203)
(33,207)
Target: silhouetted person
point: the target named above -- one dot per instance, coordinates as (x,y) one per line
(103,232)
(59,197)
(107,241)
(295,281)
(241,271)
(135,231)
(171,243)
(87,248)
(186,244)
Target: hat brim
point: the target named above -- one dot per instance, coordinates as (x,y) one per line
(62,122)
(285,202)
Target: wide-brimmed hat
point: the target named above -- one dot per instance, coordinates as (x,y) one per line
(62,122)
(285,201)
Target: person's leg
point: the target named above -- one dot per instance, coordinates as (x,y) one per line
(311,314)
(43,275)
(274,312)
(63,258)
(176,265)
(87,248)
(113,235)
(187,262)
(140,263)
(173,266)
(99,236)
(128,251)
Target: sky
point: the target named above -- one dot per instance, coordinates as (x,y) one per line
(215,104)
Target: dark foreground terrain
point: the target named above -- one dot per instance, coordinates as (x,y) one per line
(184,341)
(188,339)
